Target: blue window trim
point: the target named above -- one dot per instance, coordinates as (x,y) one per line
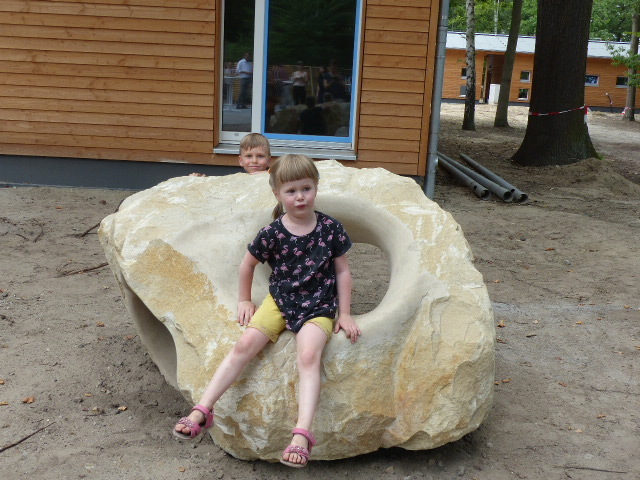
(355,81)
(307,138)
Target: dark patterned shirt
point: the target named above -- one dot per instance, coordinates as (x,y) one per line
(303,277)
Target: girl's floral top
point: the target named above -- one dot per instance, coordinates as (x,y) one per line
(303,277)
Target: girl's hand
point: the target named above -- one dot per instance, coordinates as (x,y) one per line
(246,309)
(350,327)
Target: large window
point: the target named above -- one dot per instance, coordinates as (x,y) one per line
(290,71)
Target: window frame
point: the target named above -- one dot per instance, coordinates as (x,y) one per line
(589,83)
(525,98)
(622,85)
(528,79)
(288,141)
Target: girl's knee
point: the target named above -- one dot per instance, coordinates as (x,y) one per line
(248,345)
(241,348)
(308,358)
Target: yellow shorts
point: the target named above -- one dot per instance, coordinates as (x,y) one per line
(269,320)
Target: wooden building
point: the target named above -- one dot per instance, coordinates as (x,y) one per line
(605,84)
(144,81)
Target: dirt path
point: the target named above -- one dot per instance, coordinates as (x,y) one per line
(562,273)
(618,139)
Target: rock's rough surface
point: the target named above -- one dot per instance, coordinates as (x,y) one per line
(421,375)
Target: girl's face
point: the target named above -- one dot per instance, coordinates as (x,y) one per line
(298,197)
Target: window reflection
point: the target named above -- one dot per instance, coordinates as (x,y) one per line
(237,94)
(308,64)
(309,67)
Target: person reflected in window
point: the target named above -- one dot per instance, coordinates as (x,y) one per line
(312,119)
(324,80)
(338,90)
(299,80)
(280,77)
(272,98)
(244,69)
(337,87)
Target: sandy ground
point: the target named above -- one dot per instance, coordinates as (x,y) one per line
(562,272)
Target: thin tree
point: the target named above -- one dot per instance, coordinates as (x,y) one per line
(556,132)
(629,113)
(468,122)
(630,59)
(502,110)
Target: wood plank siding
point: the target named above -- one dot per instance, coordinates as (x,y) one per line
(395,97)
(108,79)
(608,74)
(594,96)
(139,80)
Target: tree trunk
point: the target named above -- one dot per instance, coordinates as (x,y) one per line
(468,123)
(557,133)
(629,113)
(510,56)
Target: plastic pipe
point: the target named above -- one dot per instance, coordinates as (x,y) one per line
(493,187)
(478,189)
(518,195)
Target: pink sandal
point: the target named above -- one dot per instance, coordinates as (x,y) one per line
(303,452)
(195,428)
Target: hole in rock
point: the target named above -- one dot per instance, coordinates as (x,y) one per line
(370,272)
(155,337)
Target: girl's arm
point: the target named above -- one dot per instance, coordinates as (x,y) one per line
(246,308)
(344,283)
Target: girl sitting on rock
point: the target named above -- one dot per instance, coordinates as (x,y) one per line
(309,283)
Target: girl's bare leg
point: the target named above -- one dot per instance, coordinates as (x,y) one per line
(311,340)
(247,347)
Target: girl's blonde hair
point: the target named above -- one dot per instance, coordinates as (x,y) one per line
(290,168)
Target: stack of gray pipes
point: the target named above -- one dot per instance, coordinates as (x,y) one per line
(483,182)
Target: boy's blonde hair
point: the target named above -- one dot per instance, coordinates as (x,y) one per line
(290,168)
(253,140)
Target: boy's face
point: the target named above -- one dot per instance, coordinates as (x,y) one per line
(254,160)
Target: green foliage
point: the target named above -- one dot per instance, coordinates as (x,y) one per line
(622,56)
(529,18)
(493,16)
(610,19)
(314,31)
(238,29)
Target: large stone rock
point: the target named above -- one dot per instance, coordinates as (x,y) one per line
(420,376)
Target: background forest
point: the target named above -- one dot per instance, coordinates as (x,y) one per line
(309,30)
(610,19)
